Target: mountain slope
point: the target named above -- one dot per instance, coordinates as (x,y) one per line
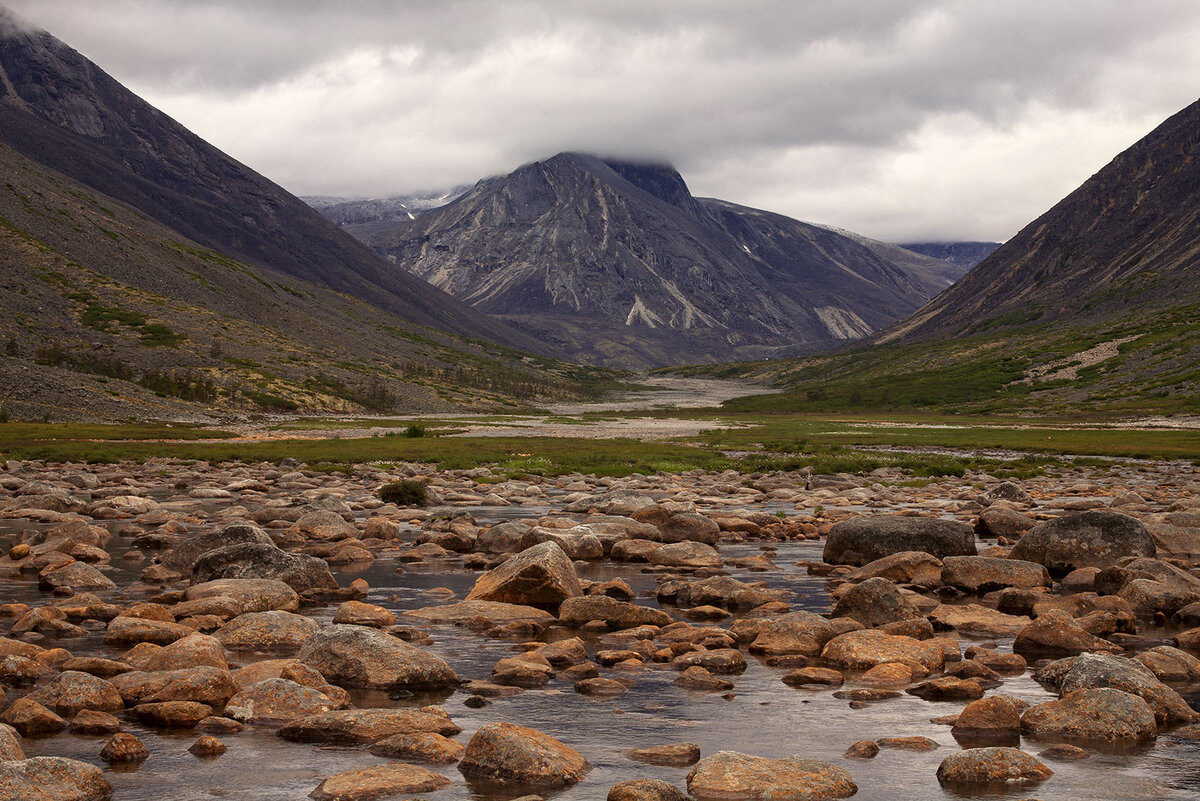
(964,254)
(617,263)
(64,112)
(1129,236)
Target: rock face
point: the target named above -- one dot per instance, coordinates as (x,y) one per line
(992,766)
(357,656)
(258,560)
(1100,714)
(540,576)
(864,539)
(1087,539)
(503,752)
(52,779)
(668,279)
(730,776)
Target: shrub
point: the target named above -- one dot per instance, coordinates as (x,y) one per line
(407,492)
(414,431)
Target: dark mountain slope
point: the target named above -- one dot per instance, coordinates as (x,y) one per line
(61,110)
(1128,237)
(964,254)
(617,263)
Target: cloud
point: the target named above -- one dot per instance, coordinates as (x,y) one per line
(901,120)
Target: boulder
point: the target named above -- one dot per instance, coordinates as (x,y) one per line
(494,613)
(259,560)
(645,790)
(275,631)
(124,748)
(801,633)
(864,539)
(577,543)
(981,574)
(503,752)
(863,650)
(378,781)
(730,775)
(875,602)
(203,684)
(1001,521)
(69,692)
(1087,539)
(247,595)
(1006,491)
(30,718)
(52,779)
(366,726)
(992,766)
(617,502)
(977,621)
(358,613)
(357,656)
(424,746)
(172,714)
(718,660)
(275,701)
(1057,634)
(190,651)
(1103,714)
(679,755)
(124,630)
(539,576)
(616,614)
(1170,664)
(997,717)
(10,744)
(685,554)
(183,556)
(905,567)
(1090,671)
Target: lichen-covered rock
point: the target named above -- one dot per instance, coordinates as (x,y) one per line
(203,684)
(678,755)
(259,560)
(875,602)
(864,539)
(730,775)
(365,726)
(992,766)
(31,718)
(794,633)
(52,779)
(123,630)
(378,782)
(1170,664)
(71,691)
(539,576)
(276,701)
(1057,634)
(277,631)
(616,614)
(10,744)
(997,717)
(718,660)
(684,555)
(645,790)
(357,613)
(246,595)
(357,656)
(421,746)
(503,752)
(863,650)
(1087,539)
(184,555)
(172,714)
(978,621)
(905,567)
(1099,714)
(1089,671)
(190,651)
(124,748)
(982,574)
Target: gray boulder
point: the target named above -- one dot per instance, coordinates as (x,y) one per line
(1087,539)
(865,539)
(258,560)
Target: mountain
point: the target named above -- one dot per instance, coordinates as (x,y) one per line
(932,273)
(617,263)
(62,111)
(1093,309)
(343,211)
(964,254)
(1129,237)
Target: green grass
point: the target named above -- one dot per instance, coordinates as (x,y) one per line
(17,435)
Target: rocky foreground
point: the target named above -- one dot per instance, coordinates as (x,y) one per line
(226,613)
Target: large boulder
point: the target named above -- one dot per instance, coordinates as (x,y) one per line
(728,775)
(977,621)
(617,502)
(259,560)
(995,718)
(1150,585)
(239,595)
(52,779)
(540,576)
(366,726)
(645,790)
(1087,539)
(276,631)
(358,656)
(875,602)
(905,567)
(70,691)
(1103,714)
(992,766)
(503,752)
(276,701)
(579,542)
(183,556)
(863,650)
(1090,671)
(981,574)
(1057,634)
(801,633)
(686,554)
(864,539)
(617,614)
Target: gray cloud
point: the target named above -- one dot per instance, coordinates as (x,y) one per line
(900,119)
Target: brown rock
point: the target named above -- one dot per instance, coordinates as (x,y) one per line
(645,790)
(357,656)
(276,701)
(89,721)
(907,743)
(378,782)
(52,779)
(698,678)
(677,755)
(863,650)
(276,631)
(420,746)
(539,576)
(364,726)
(172,714)
(69,692)
(1097,714)
(31,718)
(992,766)
(996,717)
(124,748)
(1057,634)
(863,749)
(507,753)
(207,746)
(730,775)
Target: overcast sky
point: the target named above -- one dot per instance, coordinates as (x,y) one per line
(899,119)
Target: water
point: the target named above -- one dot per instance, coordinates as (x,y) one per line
(765,717)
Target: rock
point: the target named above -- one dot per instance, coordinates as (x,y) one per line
(722,591)
(730,775)
(172,714)
(948,688)
(356,656)
(183,556)
(207,746)
(366,726)
(1150,585)
(616,614)
(76,575)
(698,678)
(997,717)
(1057,634)
(493,612)
(204,684)
(1001,521)
(1090,671)
(1098,714)
(89,721)
(275,631)
(378,782)
(190,651)
(686,527)
(685,555)
(601,687)
(977,621)
(31,718)
(1006,491)
(992,766)
(577,543)
(863,650)
(718,660)
(645,790)
(258,560)
(421,746)
(818,676)
(361,614)
(69,692)
(52,779)
(10,744)
(1170,664)
(918,744)
(980,574)
(124,748)
(875,602)
(504,752)
(1064,752)
(1087,539)
(864,539)
(274,701)
(539,576)
(618,502)
(124,631)
(679,755)
(863,749)
(905,567)
(889,674)
(246,594)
